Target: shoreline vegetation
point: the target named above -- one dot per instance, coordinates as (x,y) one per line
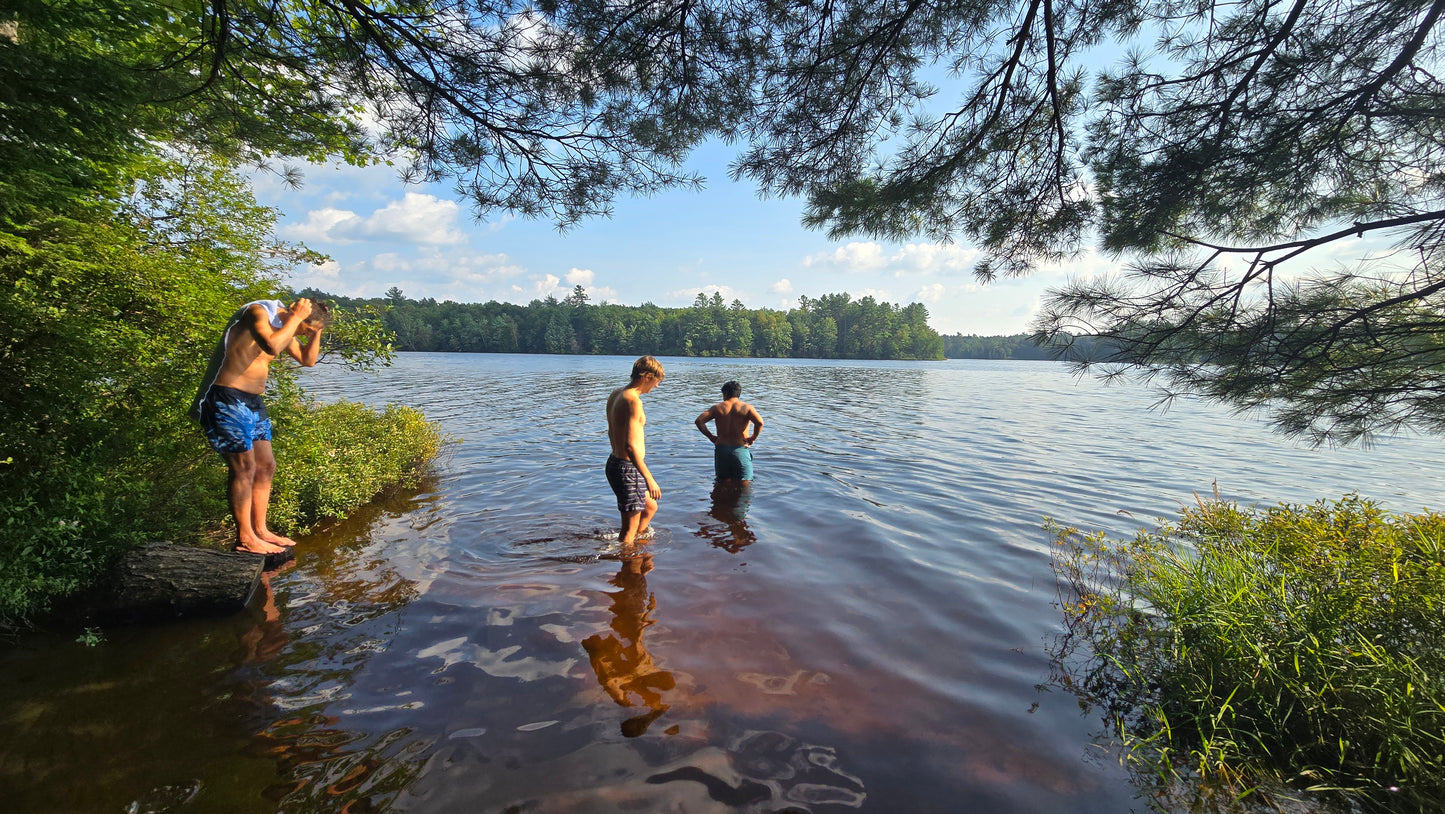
(1265,655)
(109,311)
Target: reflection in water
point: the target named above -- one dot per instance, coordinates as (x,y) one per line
(347,604)
(266,640)
(623,666)
(730,503)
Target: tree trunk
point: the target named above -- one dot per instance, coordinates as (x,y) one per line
(161,580)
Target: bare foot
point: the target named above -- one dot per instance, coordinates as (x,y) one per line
(259,547)
(275,539)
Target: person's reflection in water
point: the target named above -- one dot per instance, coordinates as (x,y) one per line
(623,666)
(268,638)
(730,501)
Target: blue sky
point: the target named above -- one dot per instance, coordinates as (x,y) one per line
(663,249)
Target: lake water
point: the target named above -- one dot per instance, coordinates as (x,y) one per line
(865,630)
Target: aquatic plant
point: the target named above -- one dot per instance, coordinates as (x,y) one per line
(1264,652)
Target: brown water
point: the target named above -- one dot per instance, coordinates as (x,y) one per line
(866,629)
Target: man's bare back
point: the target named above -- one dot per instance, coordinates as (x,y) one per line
(732,418)
(732,454)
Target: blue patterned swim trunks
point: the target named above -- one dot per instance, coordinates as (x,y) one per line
(233,419)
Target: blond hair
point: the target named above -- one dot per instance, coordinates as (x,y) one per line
(646,366)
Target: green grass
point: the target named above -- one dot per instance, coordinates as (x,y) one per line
(1246,652)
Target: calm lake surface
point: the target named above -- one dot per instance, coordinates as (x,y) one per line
(866,629)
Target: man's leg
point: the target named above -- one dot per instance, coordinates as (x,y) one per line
(240,488)
(265,472)
(645,516)
(630,523)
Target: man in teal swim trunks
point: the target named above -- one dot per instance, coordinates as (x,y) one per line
(732,457)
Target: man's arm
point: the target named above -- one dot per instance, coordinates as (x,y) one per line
(308,353)
(757,422)
(701,422)
(276,341)
(632,412)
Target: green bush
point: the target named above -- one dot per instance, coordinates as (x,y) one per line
(1247,649)
(109,312)
(333,458)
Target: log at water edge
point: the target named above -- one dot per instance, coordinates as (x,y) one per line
(162,580)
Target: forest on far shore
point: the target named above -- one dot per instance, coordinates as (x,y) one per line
(834,326)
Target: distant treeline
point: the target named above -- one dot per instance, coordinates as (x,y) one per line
(1018,346)
(834,326)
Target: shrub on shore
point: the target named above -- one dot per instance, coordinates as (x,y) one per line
(1293,647)
(72,518)
(333,458)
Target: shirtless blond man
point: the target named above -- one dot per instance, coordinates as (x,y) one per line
(732,457)
(627,473)
(233,414)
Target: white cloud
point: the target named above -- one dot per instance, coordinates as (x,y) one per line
(416,219)
(552,284)
(913,258)
(390,262)
(601,293)
(500,223)
(323,226)
(481,268)
(854,257)
(783,286)
(932,292)
(930,258)
(547,284)
(685,296)
(320,275)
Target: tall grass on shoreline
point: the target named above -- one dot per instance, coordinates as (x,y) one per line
(1245,653)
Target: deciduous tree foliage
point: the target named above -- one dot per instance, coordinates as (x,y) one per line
(109,311)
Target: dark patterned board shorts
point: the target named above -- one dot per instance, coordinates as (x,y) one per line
(628,484)
(233,419)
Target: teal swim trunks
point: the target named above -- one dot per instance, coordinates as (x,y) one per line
(732,463)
